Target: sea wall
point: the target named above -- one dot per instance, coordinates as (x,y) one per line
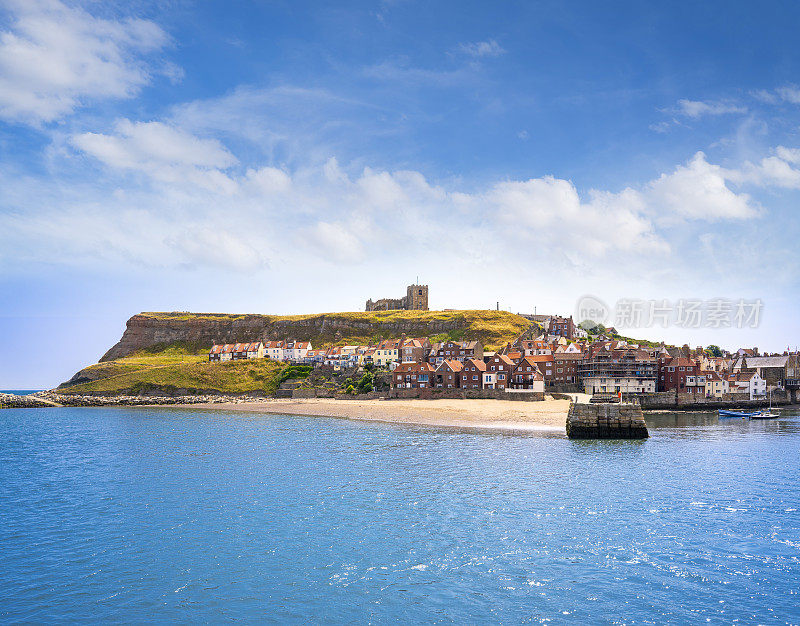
(465,394)
(669,400)
(606,421)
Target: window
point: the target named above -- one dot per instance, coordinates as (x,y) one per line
(501,377)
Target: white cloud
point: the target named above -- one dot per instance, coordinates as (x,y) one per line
(190,206)
(547,211)
(790,93)
(488,48)
(54,57)
(162,152)
(217,247)
(337,242)
(771,171)
(696,108)
(787,93)
(698,191)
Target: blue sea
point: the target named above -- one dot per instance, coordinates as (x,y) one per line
(139,515)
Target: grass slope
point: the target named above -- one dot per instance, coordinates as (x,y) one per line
(172,370)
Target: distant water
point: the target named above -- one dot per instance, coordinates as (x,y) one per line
(133,515)
(20,392)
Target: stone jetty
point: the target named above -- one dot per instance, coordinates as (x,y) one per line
(606,420)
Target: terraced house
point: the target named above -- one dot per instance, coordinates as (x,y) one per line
(386,352)
(526,376)
(413,376)
(455,351)
(472,374)
(499,368)
(236,351)
(448,375)
(414,350)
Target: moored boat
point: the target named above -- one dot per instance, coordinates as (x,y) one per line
(731,413)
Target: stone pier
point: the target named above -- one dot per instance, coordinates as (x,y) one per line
(606,421)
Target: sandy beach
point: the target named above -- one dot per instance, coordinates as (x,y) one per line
(547,416)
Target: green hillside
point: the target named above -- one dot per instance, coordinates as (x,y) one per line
(175,371)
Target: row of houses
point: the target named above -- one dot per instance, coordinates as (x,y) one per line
(605,366)
(497,372)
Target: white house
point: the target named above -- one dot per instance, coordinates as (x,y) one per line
(274,350)
(749,383)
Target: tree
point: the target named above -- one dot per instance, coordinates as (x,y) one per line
(714,350)
(366,384)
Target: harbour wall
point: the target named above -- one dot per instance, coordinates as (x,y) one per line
(606,421)
(669,400)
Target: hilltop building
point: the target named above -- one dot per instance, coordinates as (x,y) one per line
(416,299)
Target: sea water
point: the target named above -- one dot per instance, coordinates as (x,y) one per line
(134,514)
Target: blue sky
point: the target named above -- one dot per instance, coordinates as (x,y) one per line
(287,157)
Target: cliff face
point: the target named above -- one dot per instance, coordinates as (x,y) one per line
(146,330)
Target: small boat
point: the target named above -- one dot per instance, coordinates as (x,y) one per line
(741,414)
(763,415)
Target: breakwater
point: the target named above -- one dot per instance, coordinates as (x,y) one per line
(606,421)
(44,399)
(13,401)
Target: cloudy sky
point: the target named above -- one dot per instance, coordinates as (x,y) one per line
(289,157)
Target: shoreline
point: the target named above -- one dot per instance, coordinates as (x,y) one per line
(548,416)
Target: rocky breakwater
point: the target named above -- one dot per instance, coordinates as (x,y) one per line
(606,420)
(50,399)
(12,401)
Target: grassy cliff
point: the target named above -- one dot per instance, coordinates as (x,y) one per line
(148,330)
(167,352)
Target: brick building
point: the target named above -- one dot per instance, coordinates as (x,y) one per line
(502,367)
(455,350)
(526,375)
(472,374)
(561,326)
(448,375)
(413,376)
(681,375)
